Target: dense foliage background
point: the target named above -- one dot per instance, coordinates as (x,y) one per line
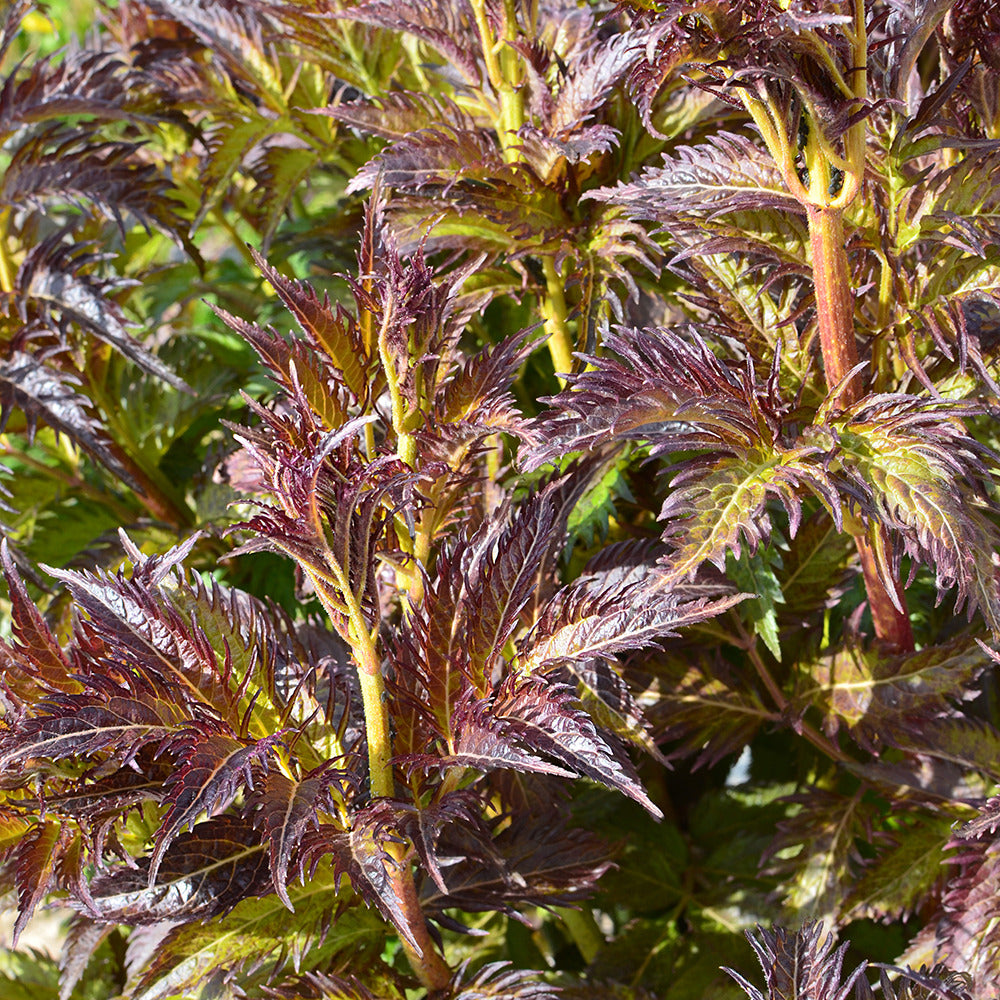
(501,496)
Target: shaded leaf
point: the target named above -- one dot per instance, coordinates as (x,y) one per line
(202,874)
(212,768)
(240,946)
(54,279)
(799,965)
(45,394)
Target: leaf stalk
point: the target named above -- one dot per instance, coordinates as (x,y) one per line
(816,738)
(429,967)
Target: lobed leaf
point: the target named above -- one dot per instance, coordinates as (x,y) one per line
(45,394)
(916,470)
(53,279)
(706,706)
(869,693)
(283,813)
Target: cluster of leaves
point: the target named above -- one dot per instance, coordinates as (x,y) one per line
(565,600)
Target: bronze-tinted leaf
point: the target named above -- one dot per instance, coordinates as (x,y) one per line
(200,875)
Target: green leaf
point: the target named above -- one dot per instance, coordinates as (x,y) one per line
(902,877)
(591,517)
(921,476)
(28,976)
(816,851)
(756,574)
(731,829)
(655,956)
(813,571)
(258,940)
(648,874)
(723,510)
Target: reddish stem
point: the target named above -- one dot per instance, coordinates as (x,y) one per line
(151,496)
(430,967)
(835,315)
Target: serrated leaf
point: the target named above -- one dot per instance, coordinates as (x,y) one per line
(720,509)
(480,741)
(362,852)
(109,721)
(870,693)
(39,654)
(35,863)
(202,874)
(518,869)
(323,986)
(921,475)
(607,699)
(256,941)
(436,22)
(297,368)
(799,965)
(45,394)
(211,770)
(500,981)
(397,114)
(728,173)
(589,621)
(664,388)
(545,718)
(63,164)
(967,929)
(903,875)
(756,574)
(961,739)
(816,851)
(82,940)
(53,277)
(327,327)
(284,810)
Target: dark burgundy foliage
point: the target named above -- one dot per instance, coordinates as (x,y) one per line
(501,499)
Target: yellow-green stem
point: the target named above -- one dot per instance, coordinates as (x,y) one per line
(429,966)
(377,731)
(504,72)
(489,45)
(856,137)
(513,76)
(775,137)
(369,675)
(6,264)
(554,310)
(406,443)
